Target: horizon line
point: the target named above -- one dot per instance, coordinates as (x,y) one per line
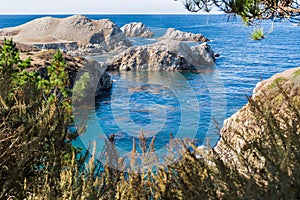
(200,13)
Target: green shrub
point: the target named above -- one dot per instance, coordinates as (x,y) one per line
(257,34)
(34,124)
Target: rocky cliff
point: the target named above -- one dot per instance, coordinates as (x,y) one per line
(166,55)
(266,128)
(72,33)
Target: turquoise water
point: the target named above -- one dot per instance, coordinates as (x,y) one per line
(242,64)
(195,99)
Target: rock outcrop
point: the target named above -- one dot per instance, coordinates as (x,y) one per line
(167,55)
(99,79)
(246,126)
(173,34)
(72,33)
(205,51)
(137,29)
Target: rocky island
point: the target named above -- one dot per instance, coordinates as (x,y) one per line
(166,55)
(76,33)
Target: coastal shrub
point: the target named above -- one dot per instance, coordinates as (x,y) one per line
(203,174)
(34,119)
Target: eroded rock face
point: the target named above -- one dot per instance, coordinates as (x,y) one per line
(137,29)
(173,34)
(206,51)
(167,55)
(72,33)
(245,126)
(99,79)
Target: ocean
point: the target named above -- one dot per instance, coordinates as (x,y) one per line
(192,105)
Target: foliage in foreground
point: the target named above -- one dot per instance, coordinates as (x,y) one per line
(38,162)
(257,34)
(34,115)
(250,10)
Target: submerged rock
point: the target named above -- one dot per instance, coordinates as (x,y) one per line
(77,33)
(137,29)
(167,55)
(173,34)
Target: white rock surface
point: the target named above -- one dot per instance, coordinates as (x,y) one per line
(72,33)
(173,34)
(137,29)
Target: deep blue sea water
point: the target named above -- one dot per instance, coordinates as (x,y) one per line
(139,100)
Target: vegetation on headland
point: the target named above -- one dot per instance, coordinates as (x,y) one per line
(37,160)
(34,116)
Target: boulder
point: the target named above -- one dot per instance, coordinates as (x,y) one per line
(137,29)
(173,34)
(77,33)
(167,55)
